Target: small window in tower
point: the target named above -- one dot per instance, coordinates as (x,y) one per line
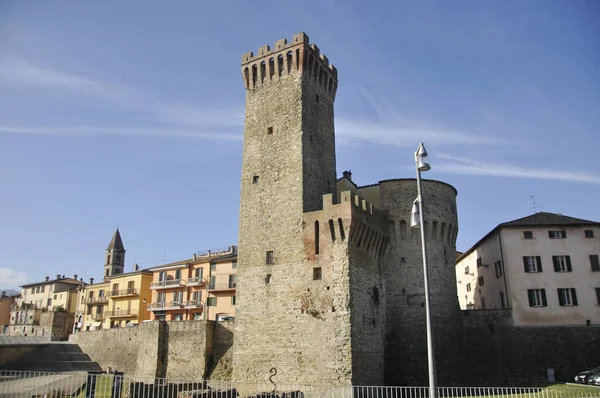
(269,130)
(255,180)
(317,97)
(317,274)
(270,260)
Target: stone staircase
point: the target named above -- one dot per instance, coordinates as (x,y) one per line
(50,357)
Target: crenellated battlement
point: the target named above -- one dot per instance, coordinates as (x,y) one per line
(285,59)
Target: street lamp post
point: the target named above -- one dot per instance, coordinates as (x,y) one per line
(416,221)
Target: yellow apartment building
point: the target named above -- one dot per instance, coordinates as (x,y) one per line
(202,287)
(116,302)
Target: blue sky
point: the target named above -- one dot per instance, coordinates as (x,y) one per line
(131,113)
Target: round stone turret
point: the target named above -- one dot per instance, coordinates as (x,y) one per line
(403,267)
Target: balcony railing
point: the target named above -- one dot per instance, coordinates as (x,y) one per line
(197,281)
(95,300)
(23,306)
(222,285)
(168,284)
(124,292)
(121,313)
(170,305)
(96,317)
(192,304)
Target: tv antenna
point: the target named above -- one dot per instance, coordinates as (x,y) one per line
(535,205)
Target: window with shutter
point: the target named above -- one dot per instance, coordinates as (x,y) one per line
(562,263)
(557,234)
(537,297)
(567,297)
(532,264)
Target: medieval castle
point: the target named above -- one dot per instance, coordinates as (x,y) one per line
(330,275)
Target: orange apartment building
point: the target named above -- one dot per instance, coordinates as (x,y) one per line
(200,288)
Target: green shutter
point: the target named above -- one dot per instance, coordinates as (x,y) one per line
(574,296)
(555,263)
(544,302)
(530,296)
(594,262)
(569,269)
(525,264)
(561,298)
(538,260)
(563,234)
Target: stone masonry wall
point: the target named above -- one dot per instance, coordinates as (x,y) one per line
(132,350)
(188,349)
(508,355)
(152,349)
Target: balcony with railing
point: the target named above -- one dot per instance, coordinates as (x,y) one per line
(169,305)
(192,304)
(124,292)
(95,300)
(197,281)
(121,313)
(96,317)
(168,284)
(221,286)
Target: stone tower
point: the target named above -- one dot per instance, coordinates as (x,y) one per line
(293,315)
(114,261)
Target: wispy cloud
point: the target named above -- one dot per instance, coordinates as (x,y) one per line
(18,72)
(462,165)
(134,131)
(9,278)
(390,127)
(406,135)
(15,71)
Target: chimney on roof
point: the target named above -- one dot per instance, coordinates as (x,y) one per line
(47,278)
(347,175)
(57,276)
(91,281)
(81,280)
(75,276)
(194,257)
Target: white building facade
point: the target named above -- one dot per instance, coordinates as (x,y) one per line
(544,267)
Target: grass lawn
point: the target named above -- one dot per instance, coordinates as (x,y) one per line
(554,390)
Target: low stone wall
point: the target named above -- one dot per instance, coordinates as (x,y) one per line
(220,364)
(509,355)
(133,350)
(188,346)
(176,350)
(486,318)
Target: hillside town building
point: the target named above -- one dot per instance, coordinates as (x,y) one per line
(544,267)
(200,288)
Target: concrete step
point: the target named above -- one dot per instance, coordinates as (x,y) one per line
(53,357)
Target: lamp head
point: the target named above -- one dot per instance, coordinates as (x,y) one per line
(415,220)
(421,158)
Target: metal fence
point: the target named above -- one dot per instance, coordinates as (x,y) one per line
(102,385)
